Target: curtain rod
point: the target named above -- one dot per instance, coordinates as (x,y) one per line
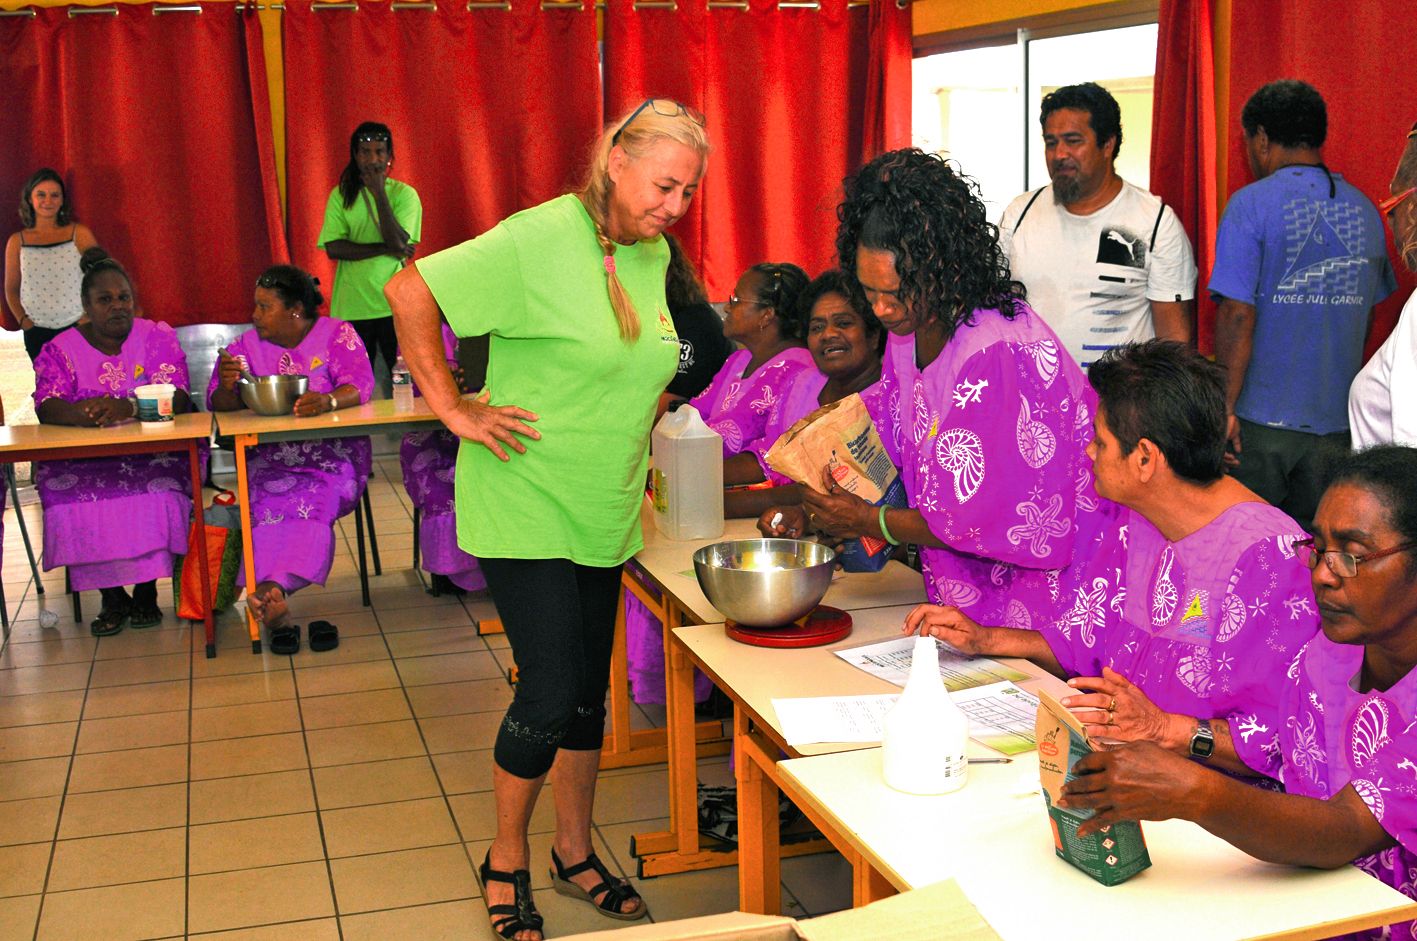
(474,5)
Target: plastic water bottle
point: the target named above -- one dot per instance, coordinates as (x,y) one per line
(687,481)
(403,386)
(926,734)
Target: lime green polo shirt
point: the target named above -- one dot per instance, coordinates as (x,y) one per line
(359,285)
(536,284)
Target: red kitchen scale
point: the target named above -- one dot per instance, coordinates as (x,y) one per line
(822,625)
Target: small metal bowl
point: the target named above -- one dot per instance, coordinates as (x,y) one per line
(764,582)
(273,395)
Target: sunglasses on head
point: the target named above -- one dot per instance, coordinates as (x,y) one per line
(665,108)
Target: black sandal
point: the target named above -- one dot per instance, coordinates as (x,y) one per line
(508,920)
(617,891)
(145,615)
(286,640)
(323,636)
(117,608)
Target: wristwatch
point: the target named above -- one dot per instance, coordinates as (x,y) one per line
(1202,740)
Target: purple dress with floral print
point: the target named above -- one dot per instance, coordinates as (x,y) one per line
(1326,735)
(428,459)
(113,521)
(990,440)
(299,488)
(1207,625)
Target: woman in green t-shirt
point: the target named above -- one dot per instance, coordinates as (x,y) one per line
(571,293)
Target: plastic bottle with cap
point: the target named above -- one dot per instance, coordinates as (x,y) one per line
(403,386)
(926,733)
(687,476)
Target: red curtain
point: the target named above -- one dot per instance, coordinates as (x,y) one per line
(785,92)
(492,110)
(160,126)
(1183,171)
(1338,50)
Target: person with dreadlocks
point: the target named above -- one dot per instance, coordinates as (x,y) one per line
(979,405)
(372,224)
(550,474)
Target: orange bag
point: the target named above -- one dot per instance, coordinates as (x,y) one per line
(223,550)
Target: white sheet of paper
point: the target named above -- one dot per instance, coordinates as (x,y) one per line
(890,660)
(1001,716)
(813,719)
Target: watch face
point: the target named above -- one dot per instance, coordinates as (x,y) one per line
(1203,741)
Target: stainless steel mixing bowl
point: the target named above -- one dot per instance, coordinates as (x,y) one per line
(273,395)
(764,582)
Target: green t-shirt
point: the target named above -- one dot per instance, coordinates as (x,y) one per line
(536,283)
(359,285)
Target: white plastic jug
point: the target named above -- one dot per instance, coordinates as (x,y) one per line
(923,750)
(687,476)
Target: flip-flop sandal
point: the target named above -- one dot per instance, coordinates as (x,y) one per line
(617,891)
(323,636)
(145,616)
(108,622)
(286,640)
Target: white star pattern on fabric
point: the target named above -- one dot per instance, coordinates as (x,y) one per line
(1040,525)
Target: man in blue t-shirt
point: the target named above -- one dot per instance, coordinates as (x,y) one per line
(1300,260)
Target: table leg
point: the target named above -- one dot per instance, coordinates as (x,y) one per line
(867,883)
(759,853)
(618,741)
(194,458)
(248,551)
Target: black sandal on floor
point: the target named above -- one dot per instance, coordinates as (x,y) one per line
(323,636)
(508,920)
(145,615)
(286,640)
(617,891)
(109,622)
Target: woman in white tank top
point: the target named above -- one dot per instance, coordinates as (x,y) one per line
(42,262)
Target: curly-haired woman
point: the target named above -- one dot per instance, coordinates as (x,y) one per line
(978,405)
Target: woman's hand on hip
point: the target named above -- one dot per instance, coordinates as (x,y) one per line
(492,426)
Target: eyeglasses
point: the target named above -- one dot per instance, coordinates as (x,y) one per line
(1396,199)
(1342,564)
(734,300)
(269,281)
(665,108)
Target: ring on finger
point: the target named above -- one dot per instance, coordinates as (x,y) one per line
(1112,706)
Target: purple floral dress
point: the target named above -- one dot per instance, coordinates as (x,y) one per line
(1326,736)
(113,521)
(428,459)
(1207,626)
(990,440)
(299,488)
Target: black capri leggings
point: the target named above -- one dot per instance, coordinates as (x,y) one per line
(560,620)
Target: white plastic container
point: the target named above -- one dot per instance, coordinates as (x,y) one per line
(926,734)
(403,386)
(155,401)
(687,476)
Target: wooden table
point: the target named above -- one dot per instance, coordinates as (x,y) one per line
(752,678)
(67,442)
(248,429)
(993,837)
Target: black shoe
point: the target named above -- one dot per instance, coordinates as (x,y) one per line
(508,920)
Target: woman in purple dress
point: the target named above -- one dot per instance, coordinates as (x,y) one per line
(428,459)
(1345,732)
(298,488)
(978,404)
(1190,602)
(122,520)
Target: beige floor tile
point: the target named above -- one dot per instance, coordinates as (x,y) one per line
(347,678)
(48,652)
(318,929)
(350,650)
(360,743)
(476,814)
(145,643)
(37,741)
(238,663)
(258,896)
(375,782)
(428,643)
(22,681)
(177,666)
(462,772)
(623,798)
(361,623)
(409,596)
(113,860)
(40,708)
(450,699)
(410,877)
(497,642)
(22,868)
(423,619)
(261,718)
(124,811)
(43,777)
(28,821)
(379,705)
(136,767)
(448,668)
(256,755)
(821,883)
(212,691)
(325,604)
(114,913)
(18,917)
(461,733)
(252,844)
(252,795)
(138,699)
(145,731)
(384,828)
(446,921)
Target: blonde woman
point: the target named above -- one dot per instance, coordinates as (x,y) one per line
(572,295)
